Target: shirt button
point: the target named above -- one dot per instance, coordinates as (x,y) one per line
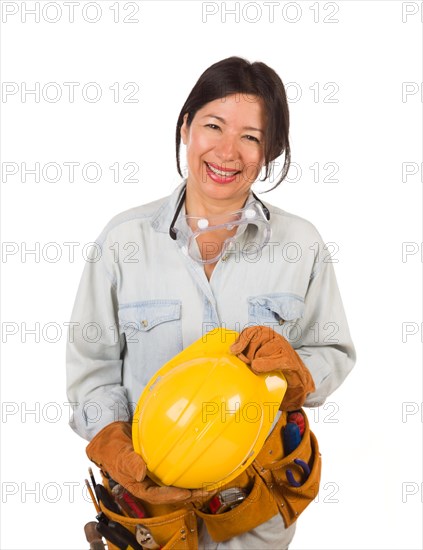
(281,321)
(144,323)
(225,257)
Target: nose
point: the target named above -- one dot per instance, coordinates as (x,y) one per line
(226,148)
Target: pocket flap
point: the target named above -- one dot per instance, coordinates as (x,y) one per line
(286,306)
(143,316)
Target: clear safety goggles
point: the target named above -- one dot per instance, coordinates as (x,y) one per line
(207,239)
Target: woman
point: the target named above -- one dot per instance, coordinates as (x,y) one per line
(211,254)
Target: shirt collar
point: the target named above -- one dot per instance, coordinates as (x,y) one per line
(163,216)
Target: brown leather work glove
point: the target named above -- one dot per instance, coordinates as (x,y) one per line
(266,350)
(150,492)
(112,451)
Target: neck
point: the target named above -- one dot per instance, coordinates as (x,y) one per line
(196,204)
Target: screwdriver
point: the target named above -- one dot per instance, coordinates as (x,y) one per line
(298,418)
(291,437)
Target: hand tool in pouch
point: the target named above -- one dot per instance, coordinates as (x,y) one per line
(291,440)
(118,535)
(226,500)
(298,418)
(93,481)
(290,476)
(128,503)
(145,538)
(291,437)
(92,496)
(103,496)
(93,536)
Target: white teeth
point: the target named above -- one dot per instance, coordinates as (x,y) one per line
(221,173)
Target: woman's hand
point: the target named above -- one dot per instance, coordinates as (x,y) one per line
(113,452)
(150,492)
(265,350)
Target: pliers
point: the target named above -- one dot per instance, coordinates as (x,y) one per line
(290,476)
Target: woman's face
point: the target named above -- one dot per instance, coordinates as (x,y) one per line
(225,147)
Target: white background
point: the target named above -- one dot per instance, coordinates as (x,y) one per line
(371,495)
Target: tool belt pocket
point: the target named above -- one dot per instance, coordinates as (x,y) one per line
(294,479)
(258,507)
(170,526)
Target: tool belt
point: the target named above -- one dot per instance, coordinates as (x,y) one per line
(269,492)
(171,526)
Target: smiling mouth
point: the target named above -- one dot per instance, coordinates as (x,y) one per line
(222,173)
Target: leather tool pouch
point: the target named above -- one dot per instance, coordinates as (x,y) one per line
(171,526)
(258,507)
(272,465)
(269,489)
(269,493)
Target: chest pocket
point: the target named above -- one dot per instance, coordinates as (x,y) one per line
(153,332)
(280,311)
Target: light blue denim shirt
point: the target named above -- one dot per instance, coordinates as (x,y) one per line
(141,300)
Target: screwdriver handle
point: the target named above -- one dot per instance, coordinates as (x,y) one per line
(291,437)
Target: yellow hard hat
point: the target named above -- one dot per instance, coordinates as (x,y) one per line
(204,416)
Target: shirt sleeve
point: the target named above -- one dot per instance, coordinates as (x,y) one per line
(325,347)
(94,349)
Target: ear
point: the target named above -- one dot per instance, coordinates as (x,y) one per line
(184,130)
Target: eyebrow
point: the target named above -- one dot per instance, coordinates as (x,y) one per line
(224,122)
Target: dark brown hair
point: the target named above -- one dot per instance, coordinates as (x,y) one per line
(236,75)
